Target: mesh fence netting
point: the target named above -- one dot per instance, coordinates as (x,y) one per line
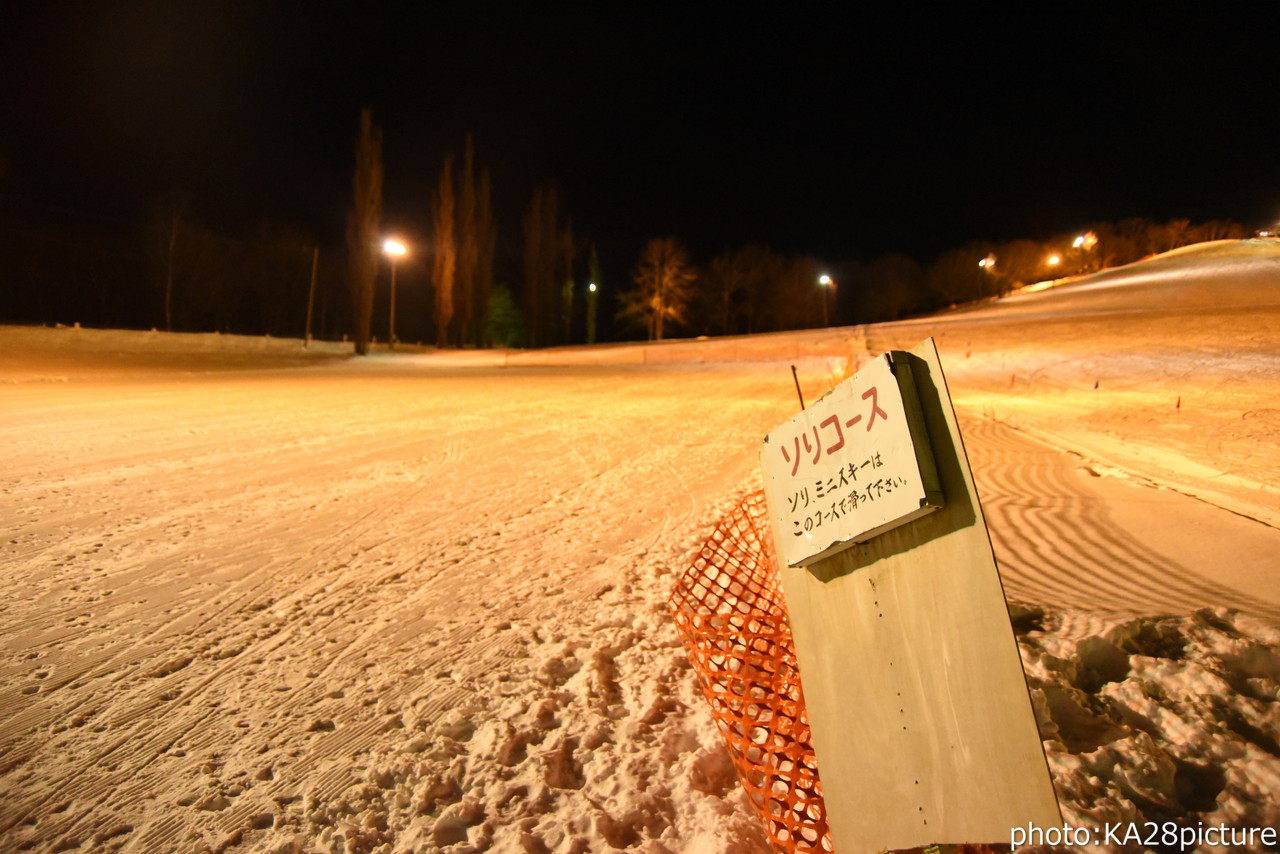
(730,613)
(732,618)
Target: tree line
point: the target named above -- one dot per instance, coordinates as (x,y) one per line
(754,289)
(748,290)
(168,271)
(174,272)
(895,286)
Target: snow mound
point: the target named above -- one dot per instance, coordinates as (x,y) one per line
(1160,718)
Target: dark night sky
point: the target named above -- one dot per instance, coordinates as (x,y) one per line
(843,137)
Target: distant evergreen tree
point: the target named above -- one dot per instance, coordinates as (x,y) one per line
(505,325)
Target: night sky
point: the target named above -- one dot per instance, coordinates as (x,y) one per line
(845,137)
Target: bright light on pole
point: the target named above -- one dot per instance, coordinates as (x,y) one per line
(989,265)
(1084,244)
(829,286)
(592,299)
(394,250)
(1085,241)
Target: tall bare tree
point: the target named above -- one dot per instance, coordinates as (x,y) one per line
(735,291)
(664,286)
(446,252)
(176,208)
(543,248)
(469,233)
(893,285)
(363,225)
(468,243)
(486,239)
(569,253)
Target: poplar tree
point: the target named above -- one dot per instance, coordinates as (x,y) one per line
(470,236)
(549,252)
(568,249)
(486,239)
(363,225)
(468,246)
(446,252)
(540,257)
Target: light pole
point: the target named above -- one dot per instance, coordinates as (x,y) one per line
(829,289)
(989,265)
(1085,243)
(592,296)
(394,250)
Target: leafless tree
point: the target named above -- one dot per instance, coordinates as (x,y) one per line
(735,289)
(468,243)
(174,222)
(568,254)
(664,286)
(893,285)
(543,254)
(363,225)
(446,252)
(486,240)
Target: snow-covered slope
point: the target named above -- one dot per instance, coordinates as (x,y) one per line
(265,600)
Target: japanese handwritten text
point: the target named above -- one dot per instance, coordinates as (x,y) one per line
(830,427)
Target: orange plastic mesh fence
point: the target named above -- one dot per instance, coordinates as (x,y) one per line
(730,613)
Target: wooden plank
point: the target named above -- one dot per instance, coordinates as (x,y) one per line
(922,723)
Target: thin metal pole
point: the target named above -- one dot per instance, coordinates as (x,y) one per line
(311,294)
(391,338)
(799,393)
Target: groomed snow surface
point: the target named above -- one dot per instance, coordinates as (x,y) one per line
(258,598)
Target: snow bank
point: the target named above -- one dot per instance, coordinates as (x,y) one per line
(1158,719)
(61,353)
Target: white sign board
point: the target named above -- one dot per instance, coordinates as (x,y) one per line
(850,467)
(913,683)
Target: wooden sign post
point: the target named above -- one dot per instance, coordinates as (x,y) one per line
(921,720)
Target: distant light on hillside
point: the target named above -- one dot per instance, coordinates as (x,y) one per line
(1085,241)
